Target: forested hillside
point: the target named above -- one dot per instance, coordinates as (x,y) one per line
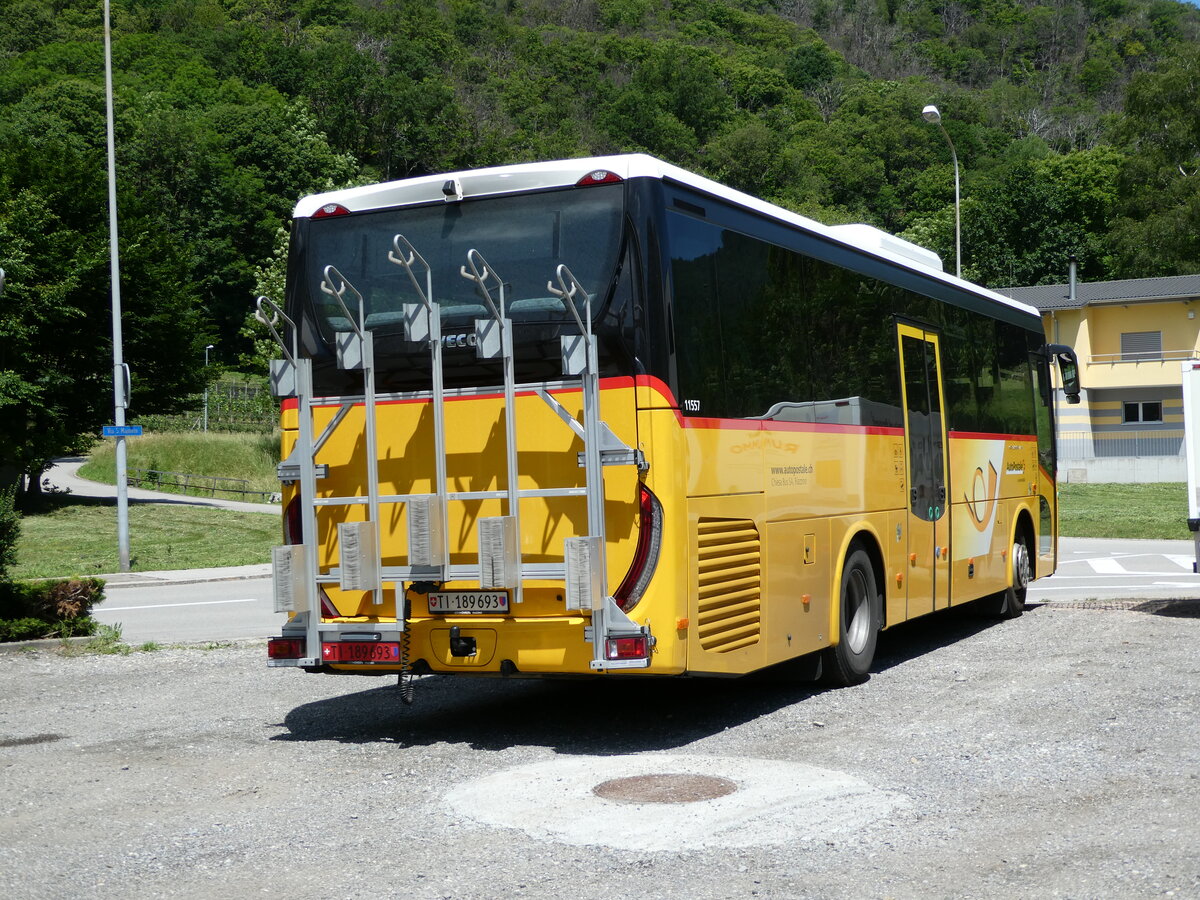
(1076,123)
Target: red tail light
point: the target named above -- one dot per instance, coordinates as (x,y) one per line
(645,556)
(328,610)
(293,529)
(637,647)
(331,209)
(600,176)
(285,648)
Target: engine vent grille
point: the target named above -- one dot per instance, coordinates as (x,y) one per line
(729,584)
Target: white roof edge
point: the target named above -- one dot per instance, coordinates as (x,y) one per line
(564,173)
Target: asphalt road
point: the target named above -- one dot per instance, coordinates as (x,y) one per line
(1094,569)
(218,610)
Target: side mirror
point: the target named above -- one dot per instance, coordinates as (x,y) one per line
(1068,367)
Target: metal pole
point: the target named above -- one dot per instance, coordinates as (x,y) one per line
(957,207)
(931,114)
(206,349)
(120,400)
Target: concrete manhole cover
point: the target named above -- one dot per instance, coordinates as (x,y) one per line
(649,802)
(664,788)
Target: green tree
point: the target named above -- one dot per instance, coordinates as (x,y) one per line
(1158,232)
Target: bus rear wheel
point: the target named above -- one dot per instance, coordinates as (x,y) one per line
(859,614)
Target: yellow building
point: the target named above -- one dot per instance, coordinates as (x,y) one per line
(1131,338)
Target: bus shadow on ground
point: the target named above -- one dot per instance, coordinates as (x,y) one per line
(588,717)
(573,717)
(914,639)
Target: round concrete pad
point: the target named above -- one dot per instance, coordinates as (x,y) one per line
(774,802)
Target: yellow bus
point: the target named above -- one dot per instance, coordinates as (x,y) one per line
(607,417)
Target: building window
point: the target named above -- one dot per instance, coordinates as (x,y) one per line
(1141,345)
(1147,411)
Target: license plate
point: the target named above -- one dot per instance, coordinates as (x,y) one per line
(361,651)
(468,602)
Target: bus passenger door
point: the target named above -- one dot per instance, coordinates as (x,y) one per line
(925,444)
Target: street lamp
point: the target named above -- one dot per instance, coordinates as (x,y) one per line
(120,370)
(931,114)
(206,349)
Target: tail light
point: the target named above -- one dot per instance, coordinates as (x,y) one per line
(637,647)
(331,209)
(328,610)
(293,533)
(285,648)
(599,176)
(645,556)
(293,528)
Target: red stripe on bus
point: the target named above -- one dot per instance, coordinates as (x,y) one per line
(989,436)
(772,425)
(606,384)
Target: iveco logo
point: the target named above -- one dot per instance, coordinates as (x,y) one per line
(451,341)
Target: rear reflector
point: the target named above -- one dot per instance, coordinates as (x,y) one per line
(627,647)
(331,209)
(285,648)
(600,176)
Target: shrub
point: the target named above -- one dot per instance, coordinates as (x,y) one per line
(26,629)
(10,531)
(48,608)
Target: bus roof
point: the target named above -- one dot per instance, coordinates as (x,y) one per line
(568,172)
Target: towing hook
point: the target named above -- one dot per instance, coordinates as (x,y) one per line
(459,645)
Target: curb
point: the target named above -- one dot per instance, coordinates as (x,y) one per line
(13,647)
(44,644)
(148,579)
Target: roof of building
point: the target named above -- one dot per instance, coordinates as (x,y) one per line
(1133,290)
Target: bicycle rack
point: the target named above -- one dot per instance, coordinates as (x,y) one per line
(500,564)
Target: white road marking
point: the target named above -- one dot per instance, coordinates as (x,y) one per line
(1058,576)
(167,605)
(1116,588)
(1106,566)
(1184,562)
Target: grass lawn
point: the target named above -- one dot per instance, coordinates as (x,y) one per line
(74,536)
(249,456)
(1157,511)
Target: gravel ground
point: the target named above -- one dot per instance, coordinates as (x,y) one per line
(1055,755)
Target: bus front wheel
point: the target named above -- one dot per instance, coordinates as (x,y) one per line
(1010,602)
(859,613)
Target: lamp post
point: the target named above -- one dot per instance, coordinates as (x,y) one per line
(206,349)
(931,114)
(120,370)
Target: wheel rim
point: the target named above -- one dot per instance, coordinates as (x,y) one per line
(858,611)
(1021,567)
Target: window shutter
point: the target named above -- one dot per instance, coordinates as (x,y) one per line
(1141,345)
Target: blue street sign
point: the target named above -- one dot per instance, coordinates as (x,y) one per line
(122,430)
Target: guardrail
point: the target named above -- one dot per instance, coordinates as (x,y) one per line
(1075,445)
(1141,356)
(195,485)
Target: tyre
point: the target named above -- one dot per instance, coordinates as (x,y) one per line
(859,617)
(1010,602)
